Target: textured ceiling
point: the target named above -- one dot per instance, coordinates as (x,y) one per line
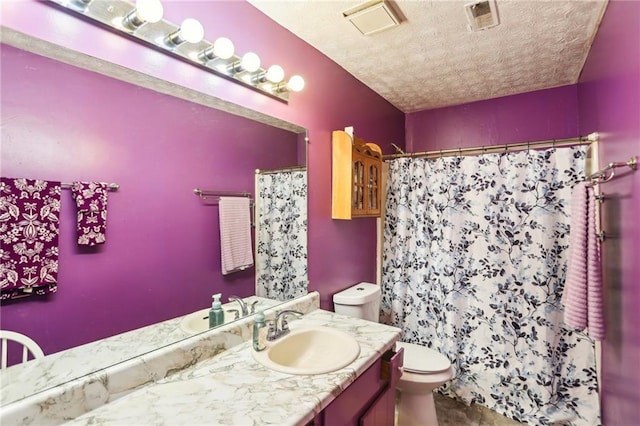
(432,60)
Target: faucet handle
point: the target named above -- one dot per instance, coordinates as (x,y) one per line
(253,306)
(272,330)
(284,325)
(243,305)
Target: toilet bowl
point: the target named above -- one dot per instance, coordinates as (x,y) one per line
(424,369)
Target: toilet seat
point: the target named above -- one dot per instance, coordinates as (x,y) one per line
(422,360)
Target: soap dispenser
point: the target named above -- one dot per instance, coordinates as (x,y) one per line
(259,332)
(216,314)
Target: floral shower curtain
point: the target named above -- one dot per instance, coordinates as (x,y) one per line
(281,235)
(474,262)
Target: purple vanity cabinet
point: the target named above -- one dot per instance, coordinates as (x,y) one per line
(370,400)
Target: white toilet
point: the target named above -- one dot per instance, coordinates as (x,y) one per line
(424,368)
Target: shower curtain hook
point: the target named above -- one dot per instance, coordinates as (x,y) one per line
(528,146)
(441,155)
(553,144)
(459,151)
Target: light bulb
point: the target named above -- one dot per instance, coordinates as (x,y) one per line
(296,83)
(191,30)
(149,10)
(145,11)
(223,48)
(275,74)
(250,62)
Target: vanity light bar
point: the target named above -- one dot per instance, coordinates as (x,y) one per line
(143,22)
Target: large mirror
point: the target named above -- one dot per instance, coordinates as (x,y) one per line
(69,117)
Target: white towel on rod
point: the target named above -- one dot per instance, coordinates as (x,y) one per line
(235,234)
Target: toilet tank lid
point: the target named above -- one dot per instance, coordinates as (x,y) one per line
(357,294)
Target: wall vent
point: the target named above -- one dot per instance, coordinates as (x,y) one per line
(372,17)
(482,15)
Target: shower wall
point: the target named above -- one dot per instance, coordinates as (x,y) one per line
(541,115)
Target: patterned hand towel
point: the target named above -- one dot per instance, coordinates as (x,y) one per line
(29,215)
(583,287)
(91,201)
(235,234)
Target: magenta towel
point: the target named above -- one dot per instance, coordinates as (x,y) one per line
(583,287)
(91,201)
(29,215)
(235,234)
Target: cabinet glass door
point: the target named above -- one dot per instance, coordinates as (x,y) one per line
(358,185)
(373,190)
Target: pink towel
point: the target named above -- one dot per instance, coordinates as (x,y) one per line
(583,287)
(235,234)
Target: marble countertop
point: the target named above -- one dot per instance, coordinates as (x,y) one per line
(232,388)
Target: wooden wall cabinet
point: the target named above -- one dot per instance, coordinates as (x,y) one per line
(356,177)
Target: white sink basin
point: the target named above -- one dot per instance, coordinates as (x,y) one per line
(198,321)
(310,350)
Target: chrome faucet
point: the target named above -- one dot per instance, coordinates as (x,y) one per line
(279,326)
(243,305)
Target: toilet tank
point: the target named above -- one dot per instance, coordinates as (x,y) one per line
(361,301)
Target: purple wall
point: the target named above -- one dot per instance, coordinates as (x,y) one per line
(162,255)
(541,115)
(609,102)
(340,252)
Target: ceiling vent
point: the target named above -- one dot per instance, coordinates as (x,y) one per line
(372,17)
(482,15)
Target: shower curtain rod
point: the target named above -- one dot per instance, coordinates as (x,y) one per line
(284,169)
(552,143)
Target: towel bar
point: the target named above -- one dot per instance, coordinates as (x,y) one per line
(110,186)
(212,195)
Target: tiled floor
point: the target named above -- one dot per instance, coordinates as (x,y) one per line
(453,413)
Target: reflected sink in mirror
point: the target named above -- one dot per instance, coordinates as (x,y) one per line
(198,321)
(310,350)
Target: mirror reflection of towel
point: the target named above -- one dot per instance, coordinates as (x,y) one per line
(29,214)
(235,234)
(91,200)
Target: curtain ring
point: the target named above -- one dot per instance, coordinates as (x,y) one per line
(441,155)
(528,146)
(459,152)
(553,144)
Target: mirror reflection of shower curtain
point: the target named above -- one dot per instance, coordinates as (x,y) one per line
(281,235)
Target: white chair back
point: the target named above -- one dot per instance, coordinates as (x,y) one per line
(28,346)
